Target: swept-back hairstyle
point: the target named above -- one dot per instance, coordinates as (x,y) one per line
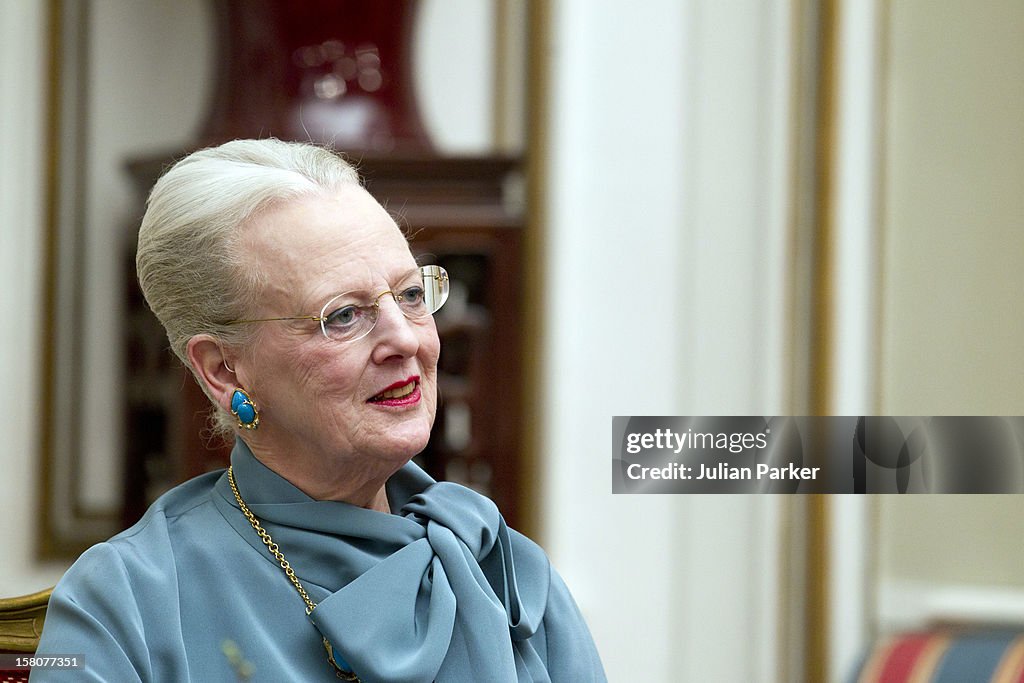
(189,263)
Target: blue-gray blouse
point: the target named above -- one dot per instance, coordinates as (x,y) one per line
(442,590)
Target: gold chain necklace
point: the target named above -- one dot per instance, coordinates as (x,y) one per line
(289,572)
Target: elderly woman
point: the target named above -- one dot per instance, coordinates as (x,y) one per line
(322,552)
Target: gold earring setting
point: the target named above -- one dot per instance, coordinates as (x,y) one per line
(245,410)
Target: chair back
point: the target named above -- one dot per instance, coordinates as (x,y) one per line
(21,624)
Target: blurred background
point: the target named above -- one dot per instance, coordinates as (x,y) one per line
(667,207)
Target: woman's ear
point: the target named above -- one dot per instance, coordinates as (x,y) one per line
(211,366)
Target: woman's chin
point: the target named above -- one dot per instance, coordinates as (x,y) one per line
(404,442)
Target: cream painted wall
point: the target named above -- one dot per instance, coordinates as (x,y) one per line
(954,209)
(953,539)
(953,228)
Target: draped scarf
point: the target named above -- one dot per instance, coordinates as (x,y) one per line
(441,590)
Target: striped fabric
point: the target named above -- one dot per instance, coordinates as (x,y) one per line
(946,657)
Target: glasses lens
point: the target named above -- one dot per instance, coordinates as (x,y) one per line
(435,288)
(347,318)
(351,316)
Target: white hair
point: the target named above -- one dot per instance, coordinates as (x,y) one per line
(189,264)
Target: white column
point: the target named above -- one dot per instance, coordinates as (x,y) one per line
(856,252)
(665,250)
(613,245)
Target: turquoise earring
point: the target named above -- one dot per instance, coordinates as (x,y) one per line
(244,409)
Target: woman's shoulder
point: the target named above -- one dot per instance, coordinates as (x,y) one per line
(142,553)
(149,541)
(174,503)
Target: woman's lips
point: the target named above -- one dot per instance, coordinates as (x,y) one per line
(403,393)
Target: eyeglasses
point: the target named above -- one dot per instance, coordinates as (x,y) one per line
(351,316)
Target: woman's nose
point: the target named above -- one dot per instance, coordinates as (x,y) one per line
(394,333)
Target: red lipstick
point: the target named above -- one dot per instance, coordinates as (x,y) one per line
(402,393)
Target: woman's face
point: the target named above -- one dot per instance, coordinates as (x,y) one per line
(322,400)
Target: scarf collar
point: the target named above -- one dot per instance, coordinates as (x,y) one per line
(436,591)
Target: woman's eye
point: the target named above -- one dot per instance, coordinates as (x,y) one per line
(413,296)
(342,317)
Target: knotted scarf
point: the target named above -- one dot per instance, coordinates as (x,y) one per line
(442,590)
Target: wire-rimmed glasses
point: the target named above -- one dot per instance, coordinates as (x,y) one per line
(350,316)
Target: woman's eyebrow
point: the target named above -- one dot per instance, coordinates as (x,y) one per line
(397,278)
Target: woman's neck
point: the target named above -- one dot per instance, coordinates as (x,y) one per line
(349,480)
